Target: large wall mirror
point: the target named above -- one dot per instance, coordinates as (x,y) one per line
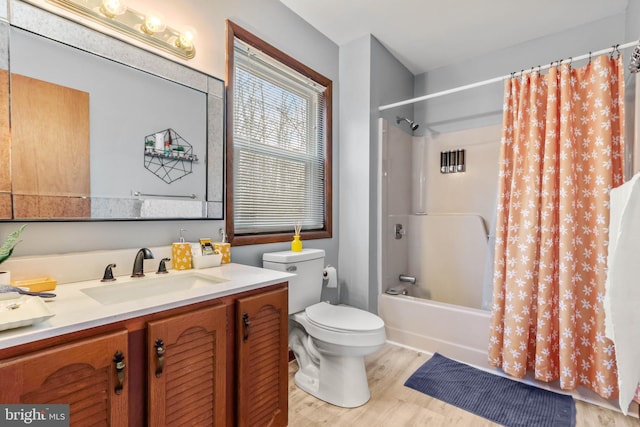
(101,129)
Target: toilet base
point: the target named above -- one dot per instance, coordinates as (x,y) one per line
(342,381)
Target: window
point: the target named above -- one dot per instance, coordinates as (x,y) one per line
(278,144)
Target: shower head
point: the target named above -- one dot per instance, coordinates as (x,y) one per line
(413,125)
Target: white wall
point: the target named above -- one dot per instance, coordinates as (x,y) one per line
(395,196)
(267,19)
(472,191)
(445,250)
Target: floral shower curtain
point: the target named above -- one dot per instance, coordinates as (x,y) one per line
(562,151)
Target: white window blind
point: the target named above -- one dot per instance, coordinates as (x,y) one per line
(278,146)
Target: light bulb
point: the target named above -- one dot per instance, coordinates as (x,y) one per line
(153,23)
(186,38)
(113,8)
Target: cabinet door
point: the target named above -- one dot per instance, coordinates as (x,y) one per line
(82,374)
(187,368)
(262,335)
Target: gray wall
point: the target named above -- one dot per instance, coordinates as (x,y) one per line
(483,106)
(354,173)
(632,32)
(276,24)
(369,76)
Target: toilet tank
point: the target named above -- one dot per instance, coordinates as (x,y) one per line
(306,287)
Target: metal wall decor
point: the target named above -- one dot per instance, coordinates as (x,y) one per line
(168,155)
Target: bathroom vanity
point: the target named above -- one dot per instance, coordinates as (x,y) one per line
(212,353)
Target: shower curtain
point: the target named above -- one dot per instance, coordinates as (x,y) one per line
(562,151)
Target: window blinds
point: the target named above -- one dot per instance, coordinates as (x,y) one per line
(278,146)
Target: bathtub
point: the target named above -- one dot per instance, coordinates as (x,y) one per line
(462,334)
(457,332)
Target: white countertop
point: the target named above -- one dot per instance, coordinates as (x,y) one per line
(74,310)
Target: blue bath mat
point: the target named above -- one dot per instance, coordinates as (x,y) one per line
(501,400)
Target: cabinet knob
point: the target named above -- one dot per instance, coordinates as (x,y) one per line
(247,323)
(159,346)
(118,360)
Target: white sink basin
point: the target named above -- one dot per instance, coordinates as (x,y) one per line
(150,286)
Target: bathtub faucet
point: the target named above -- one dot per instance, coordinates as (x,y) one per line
(408,279)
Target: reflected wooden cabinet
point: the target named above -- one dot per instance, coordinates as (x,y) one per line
(82,374)
(262,345)
(50,164)
(6,210)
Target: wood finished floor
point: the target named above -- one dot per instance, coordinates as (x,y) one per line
(394,405)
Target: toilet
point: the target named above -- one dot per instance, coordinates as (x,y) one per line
(328,341)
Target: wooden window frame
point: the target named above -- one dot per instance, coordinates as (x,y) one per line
(235,31)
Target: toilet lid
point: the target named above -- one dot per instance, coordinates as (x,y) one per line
(343,318)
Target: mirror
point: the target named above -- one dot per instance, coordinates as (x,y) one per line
(106,130)
(5,141)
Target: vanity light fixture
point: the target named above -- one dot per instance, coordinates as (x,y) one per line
(153,23)
(113,8)
(149,28)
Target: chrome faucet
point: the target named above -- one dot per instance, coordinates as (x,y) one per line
(138,263)
(407,279)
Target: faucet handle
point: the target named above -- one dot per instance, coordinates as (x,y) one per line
(162,268)
(108,274)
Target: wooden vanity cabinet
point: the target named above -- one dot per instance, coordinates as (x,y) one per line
(82,374)
(262,348)
(186,358)
(191,365)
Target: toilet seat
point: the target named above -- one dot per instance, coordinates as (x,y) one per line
(342,325)
(343,318)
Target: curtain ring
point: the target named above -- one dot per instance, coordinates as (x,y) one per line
(615,50)
(589,57)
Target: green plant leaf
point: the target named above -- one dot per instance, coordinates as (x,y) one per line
(7,247)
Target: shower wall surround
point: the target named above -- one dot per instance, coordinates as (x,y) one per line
(447,217)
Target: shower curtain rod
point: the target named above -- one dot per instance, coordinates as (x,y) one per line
(498,79)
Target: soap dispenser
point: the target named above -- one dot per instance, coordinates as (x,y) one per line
(181,253)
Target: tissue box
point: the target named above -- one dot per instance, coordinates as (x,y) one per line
(181,256)
(225,250)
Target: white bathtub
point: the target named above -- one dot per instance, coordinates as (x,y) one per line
(457,332)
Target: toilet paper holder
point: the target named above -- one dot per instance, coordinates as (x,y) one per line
(331,276)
